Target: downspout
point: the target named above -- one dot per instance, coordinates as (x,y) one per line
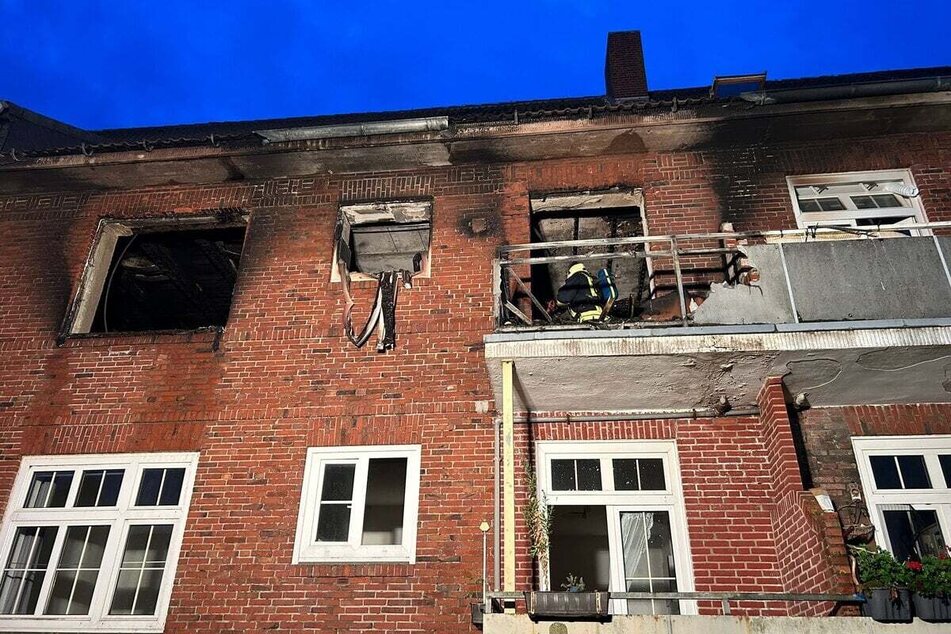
(496,526)
(849,91)
(508,476)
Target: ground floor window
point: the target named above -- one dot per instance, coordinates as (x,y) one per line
(617,520)
(907,483)
(359,504)
(90,543)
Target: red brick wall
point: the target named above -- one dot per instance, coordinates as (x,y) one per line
(751,526)
(809,542)
(827,434)
(284,377)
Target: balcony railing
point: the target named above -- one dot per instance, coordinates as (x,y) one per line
(494,601)
(886,272)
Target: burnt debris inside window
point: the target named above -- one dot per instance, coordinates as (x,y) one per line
(380,247)
(375,238)
(559,225)
(169,280)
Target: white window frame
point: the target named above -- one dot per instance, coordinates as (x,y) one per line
(308,550)
(937,498)
(119,518)
(617,502)
(847,217)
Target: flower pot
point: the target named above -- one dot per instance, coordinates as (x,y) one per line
(888,606)
(567,605)
(932,608)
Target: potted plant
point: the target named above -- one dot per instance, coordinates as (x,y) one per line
(885,582)
(931,582)
(573,603)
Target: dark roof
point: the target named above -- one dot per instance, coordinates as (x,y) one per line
(46,136)
(28,131)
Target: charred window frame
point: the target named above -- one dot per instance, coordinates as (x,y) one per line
(185,266)
(379,236)
(583,215)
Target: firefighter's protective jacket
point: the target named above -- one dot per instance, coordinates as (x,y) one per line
(580,294)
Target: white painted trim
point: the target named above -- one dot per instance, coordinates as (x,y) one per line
(849,216)
(615,501)
(937,498)
(118,518)
(308,550)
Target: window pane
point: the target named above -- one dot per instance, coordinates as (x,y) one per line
(648,556)
(625,474)
(136,544)
(886,200)
(26,568)
(338,482)
(160,487)
(809,204)
(914,472)
(863,202)
(48,489)
(334,523)
(563,475)
(143,565)
(913,532)
(831,204)
(945,462)
(386,492)
(148,591)
(885,471)
(149,487)
(172,487)
(158,546)
(652,474)
(78,570)
(124,595)
(589,475)
(99,488)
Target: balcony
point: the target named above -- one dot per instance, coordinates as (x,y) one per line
(705,317)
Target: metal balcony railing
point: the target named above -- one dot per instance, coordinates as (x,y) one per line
(721,278)
(498,599)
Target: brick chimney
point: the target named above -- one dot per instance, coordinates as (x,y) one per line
(624,74)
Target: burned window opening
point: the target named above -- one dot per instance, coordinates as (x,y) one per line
(158,279)
(385,242)
(629,275)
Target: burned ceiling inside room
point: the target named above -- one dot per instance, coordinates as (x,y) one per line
(170,280)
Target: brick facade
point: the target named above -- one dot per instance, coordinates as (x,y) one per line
(282,377)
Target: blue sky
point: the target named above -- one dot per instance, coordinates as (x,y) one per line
(123,63)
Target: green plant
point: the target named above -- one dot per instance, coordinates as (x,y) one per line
(573,583)
(932,576)
(879,569)
(538,519)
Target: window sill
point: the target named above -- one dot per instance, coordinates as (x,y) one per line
(354,555)
(199,335)
(146,625)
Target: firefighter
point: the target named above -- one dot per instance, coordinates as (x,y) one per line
(580,294)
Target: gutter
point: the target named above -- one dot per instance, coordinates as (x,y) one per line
(427,124)
(848,91)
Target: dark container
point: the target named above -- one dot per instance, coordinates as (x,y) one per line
(567,605)
(935,609)
(887,605)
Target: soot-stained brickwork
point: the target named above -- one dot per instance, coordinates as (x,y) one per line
(281,377)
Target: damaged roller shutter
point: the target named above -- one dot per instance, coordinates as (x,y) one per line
(387,242)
